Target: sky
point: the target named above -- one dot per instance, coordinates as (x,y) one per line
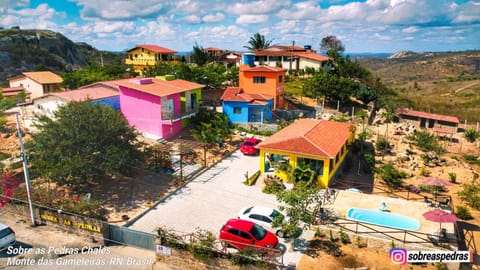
(363,26)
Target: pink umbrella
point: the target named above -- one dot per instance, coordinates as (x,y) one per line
(440,216)
(436,181)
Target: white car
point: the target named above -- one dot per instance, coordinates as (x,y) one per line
(262,216)
(7,236)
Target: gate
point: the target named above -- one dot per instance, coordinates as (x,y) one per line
(124,235)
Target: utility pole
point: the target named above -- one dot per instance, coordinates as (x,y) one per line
(25,171)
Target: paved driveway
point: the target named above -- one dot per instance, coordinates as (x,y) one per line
(211,199)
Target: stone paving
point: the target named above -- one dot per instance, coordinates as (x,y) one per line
(211,199)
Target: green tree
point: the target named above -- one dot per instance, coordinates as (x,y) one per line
(330,86)
(362,115)
(331,43)
(84,143)
(470,194)
(210,128)
(297,206)
(392,177)
(200,56)
(258,42)
(87,75)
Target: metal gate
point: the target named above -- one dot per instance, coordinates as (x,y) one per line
(124,235)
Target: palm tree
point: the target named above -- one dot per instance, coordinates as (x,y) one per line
(199,55)
(258,42)
(362,115)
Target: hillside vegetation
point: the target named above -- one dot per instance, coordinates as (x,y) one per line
(29,50)
(440,82)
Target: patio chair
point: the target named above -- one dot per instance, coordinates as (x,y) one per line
(438,237)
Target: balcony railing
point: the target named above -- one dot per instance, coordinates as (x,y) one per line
(173,117)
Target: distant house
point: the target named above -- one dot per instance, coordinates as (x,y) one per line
(320,144)
(292,58)
(159,108)
(435,122)
(11,92)
(37,83)
(98,93)
(144,55)
(241,107)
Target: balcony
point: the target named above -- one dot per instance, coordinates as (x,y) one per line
(170,117)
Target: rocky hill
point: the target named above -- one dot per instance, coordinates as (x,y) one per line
(27,50)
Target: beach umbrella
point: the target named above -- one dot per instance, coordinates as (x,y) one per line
(436,181)
(440,216)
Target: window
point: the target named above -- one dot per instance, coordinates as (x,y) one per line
(237,110)
(280,78)
(315,164)
(259,79)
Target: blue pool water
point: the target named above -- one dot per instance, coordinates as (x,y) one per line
(377,217)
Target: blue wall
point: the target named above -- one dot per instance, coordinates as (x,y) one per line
(242,117)
(113,102)
(235,118)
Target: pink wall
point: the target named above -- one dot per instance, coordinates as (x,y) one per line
(143,111)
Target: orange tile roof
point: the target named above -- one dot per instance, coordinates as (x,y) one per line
(13,91)
(44,77)
(312,55)
(287,48)
(88,93)
(155,48)
(438,117)
(311,137)
(236,94)
(262,69)
(161,88)
(212,49)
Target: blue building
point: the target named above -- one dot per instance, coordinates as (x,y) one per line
(243,107)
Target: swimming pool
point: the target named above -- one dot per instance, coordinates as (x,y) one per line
(377,217)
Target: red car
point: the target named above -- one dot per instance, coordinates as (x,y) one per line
(248,147)
(242,234)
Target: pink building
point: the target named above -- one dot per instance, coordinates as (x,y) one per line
(159,108)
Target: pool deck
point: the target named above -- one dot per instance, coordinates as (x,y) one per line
(345,200)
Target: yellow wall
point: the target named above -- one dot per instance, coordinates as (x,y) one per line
(140,58)
(327,174)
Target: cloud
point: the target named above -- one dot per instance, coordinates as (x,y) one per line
(251,19)
(213,18)
(120,10)
(410,29)
(42,11)
(191,19)
(257,7)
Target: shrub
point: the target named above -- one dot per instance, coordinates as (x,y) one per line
(344,237)
(453,177)
(382,143)
(424,172)
(463,212)
(392,177)
(202,244)
(273,188)
(471,135)
(426,141)
(470,194)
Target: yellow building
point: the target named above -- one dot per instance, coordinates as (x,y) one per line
(320,144)
(145,55)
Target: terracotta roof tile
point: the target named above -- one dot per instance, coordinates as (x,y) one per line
(263,69)
(155,48)
(44,77)
(236,94)
(90,93)
(161,88)
(213,49)
(313,56)
(438,117)
(310,137)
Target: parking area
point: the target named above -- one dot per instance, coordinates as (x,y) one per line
(211,199)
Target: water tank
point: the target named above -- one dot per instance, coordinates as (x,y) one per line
(248,59)
(307,47)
